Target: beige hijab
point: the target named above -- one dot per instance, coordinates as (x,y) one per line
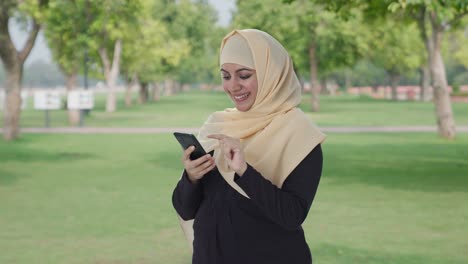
(276,135)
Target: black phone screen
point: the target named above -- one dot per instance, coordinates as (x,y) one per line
(187,140)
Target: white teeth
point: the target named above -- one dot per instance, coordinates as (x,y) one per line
(239,97)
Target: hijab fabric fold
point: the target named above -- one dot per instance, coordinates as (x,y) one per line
(275,134)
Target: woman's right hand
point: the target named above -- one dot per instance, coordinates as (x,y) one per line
(196,169)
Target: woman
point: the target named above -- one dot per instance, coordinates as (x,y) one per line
(250,195)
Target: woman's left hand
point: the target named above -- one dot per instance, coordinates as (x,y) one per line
(232,152)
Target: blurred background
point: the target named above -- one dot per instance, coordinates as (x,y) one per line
(90,91)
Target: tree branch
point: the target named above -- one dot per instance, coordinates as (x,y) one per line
(117,52)
(23,54)
(105,60)
(456,19)
(422,24)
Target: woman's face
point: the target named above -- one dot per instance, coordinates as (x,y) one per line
(240,83)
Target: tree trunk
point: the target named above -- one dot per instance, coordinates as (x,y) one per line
(131,82)
(424,83)
(13,61)
(111,72)
(443,105)
(168,87)
(178,87)
(394,81)
(144,93)
(73,114)
(347,82)
(12,107)
(323,86)
(128,95)
(156,92)
(314,83)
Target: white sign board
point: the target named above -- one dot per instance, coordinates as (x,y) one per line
(47,100)
(81,99)
(24,99)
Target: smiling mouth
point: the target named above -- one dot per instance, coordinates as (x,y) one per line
(241,97)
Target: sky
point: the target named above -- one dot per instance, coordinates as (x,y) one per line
(42,52)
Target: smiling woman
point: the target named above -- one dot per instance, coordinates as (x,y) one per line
(240,84)
(245,201)
(238,71)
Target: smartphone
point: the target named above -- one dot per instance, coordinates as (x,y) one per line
(187,140)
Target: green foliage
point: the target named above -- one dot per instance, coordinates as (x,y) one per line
(76,28)
(396,47)
(460,79)
(111,19)
(66,33)
(149,48)
(340,43)
(195,22)
(446,12)
(366,73)
(457,43)
(173,39)
(35,9)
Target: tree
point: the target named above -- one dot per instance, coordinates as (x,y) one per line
(434,18)
(394,47)
(197,23)
(150,51)
(319,41)
(65,31)
(13,59)
(108,22)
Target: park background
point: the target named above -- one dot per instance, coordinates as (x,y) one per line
(394,186)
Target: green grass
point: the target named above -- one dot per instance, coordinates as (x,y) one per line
(347,110)
(190,109)
(383,198)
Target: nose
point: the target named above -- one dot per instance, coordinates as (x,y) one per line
(234,85)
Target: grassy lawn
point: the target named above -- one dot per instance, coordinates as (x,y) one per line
(347,110)
(190,109)
(384,198)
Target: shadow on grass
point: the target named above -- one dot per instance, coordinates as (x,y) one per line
(412,166)
(16,154)
(33,155)
(327,253)
(8,177)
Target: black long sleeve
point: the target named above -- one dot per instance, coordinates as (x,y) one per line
(288,206)
(266,228)
(187,197)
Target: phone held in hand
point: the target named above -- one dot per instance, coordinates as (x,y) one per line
(187,140)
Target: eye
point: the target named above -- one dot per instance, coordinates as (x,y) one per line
(226,77)
(245,77)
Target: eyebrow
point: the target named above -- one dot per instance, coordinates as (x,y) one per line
(241,69)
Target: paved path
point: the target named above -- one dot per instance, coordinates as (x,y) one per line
(153,130)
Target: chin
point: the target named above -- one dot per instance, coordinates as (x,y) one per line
(243,108)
